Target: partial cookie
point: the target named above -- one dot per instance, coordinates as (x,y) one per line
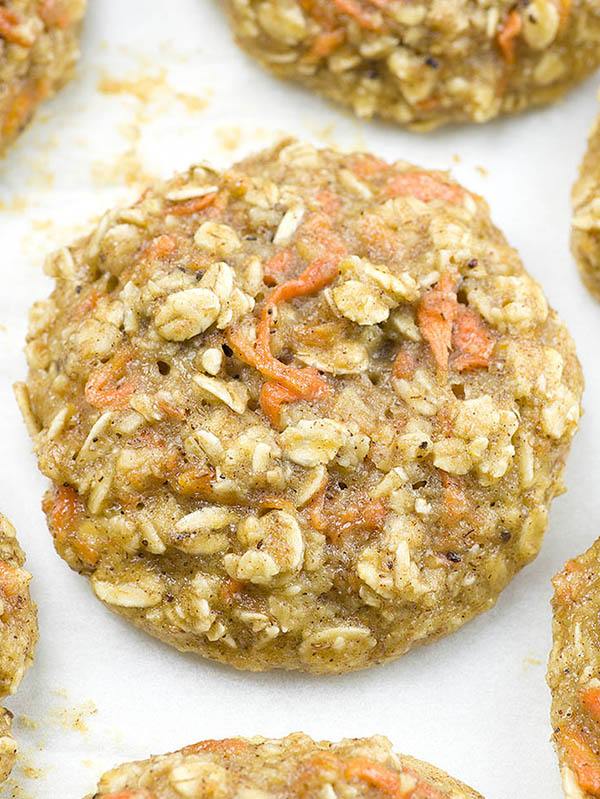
(303,414)
(586,218)
(425,64)
(18,632)
(39,46)
(574,674)
(295,767)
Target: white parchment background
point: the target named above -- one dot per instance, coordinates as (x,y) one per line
(100,692)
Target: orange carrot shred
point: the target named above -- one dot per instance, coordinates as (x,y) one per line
(9,29)
(272,397)
(108,387)
(590,699)
(161,246)
(277,267)
(472,341)
(325,44)
(507,36)
(435,317)
(404,365)
(375,774)
(9,582)
(129,793)
(584,762)
(354,9)
(192,206)
(424,187)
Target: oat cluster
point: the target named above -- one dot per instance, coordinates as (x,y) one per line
(291,768)
(303,414)
(18,633)
(423,64)
(586,215)
(38,52)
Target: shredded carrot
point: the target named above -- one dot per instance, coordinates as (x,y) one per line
(316,276)
(63,509)
(471,340)
(225,746)
(376,775)
(435,317)
(161,247)
(272,397)
(355,10)
(507,36)
(454,499)
(9,582)
(329,201)
(10,29)
(54,14)
(590,699)
(366,166)
(570,583)
(404,365)
(424,186)
(325,44)
(278,266)
(129,793)
(564,11)
(192,483)
(582,760)
(109,387)
(192,206)
(423,790)
(316,508)
(229,589)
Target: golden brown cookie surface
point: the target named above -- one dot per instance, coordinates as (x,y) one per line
(425,64)
(39,46)
(291,768)
(18,632)
(586,215)
(303,414)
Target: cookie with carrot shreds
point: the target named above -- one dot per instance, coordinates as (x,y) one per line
(39,47)
(423,64)
(18,632)
(574,674)
(295,767)
(305,413)
(586,215)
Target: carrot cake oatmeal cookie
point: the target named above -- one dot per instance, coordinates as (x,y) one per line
(586,220)
(574,674)
(18,632)
(302,414)
(295,767)
(39,46)
(423,64)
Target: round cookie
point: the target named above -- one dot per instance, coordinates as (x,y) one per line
(586,215)
(303,414)
(295,767)
(18,632)
(425,64)
(574,674)
(39,46)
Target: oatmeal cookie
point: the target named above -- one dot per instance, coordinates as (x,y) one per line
(423,64)
(18,632)
(586,218)
(295,767)
(302,414)
(39,46)
(574,674)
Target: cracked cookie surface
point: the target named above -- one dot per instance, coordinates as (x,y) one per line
(39,47)
(425,64)
(18,633)
(306,413)
(290,768)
